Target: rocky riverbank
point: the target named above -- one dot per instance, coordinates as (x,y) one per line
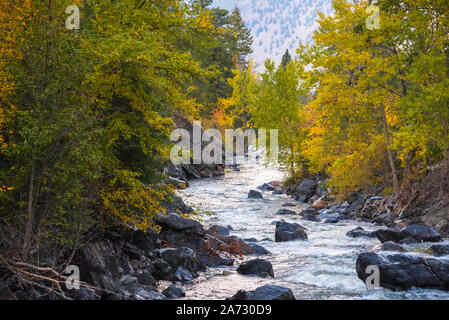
(127,264)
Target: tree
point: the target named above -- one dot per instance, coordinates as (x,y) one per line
(241,45)
(286,58)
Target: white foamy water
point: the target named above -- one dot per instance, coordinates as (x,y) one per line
(321,268)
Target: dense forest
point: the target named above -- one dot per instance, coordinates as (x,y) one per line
(86,113)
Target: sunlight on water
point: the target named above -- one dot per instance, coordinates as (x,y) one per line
(321,268)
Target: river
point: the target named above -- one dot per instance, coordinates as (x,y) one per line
(321,268)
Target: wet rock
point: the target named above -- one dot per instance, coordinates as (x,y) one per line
(267,293)
(408,240)
(386,235)
(246,248)
(266,187)
(421,233)
(309,211)
(217,230)
(183,274)
(405,271)
(147,295)
(286,212)
(289,231)
(310,217)
(175,222)
(173,292)
(389,246)
(439,250)
(332,218)
(257,267)
(360,232)
(254,194)
(289,204)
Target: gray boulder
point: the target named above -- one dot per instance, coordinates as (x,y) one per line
(177,223)
(267,293)
(254,194)
(257,267)
(404,271)
(289,231)
(360,232)
(173,292)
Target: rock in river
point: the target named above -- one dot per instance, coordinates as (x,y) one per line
(439,250)
(289,231)
(267,292)
(173,292)
(410,234)
(360,232)
(254,194)
(404,271)
(257,267)
(286,212)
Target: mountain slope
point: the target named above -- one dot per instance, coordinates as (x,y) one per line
(277,25)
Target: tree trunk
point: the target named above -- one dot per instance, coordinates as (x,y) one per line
(408,169)
(30,210)
(390,156)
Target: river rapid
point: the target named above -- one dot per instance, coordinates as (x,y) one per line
(321,268)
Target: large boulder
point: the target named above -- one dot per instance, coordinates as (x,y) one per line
(404,271)
(408,235)
(421,233)
(386,235)
(257,267)
(254,194)
(289,231)
(267,293)
(360,232)
(177,223)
